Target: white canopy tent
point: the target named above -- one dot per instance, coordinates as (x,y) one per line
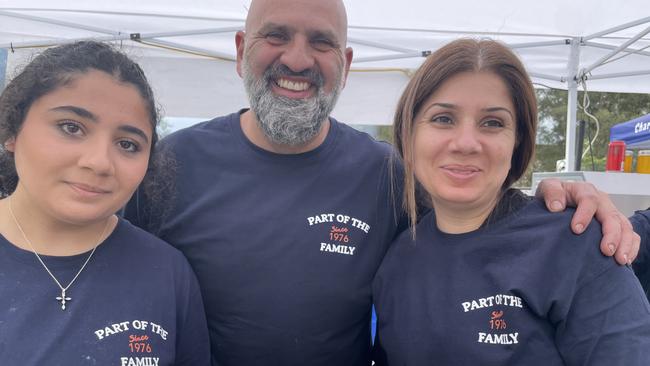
(187,47)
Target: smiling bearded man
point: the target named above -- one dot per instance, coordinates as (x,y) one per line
(283,212)
(288,121)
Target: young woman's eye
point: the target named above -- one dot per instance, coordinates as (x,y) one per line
(129,146)
(71,128)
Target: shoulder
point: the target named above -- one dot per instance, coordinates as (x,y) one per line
(535,217)
(145,247)
(410,244)
(360,140)
(203,131)
(551,235)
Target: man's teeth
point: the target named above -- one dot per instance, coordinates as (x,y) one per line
(293,85)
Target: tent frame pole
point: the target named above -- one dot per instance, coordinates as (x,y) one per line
(615,51)
(572,105)
(3,67)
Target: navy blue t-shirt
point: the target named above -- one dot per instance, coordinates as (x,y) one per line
(523,290)
(641,223)
(284,246)
(137,302)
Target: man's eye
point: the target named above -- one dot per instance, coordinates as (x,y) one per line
(322,43)
(276,37)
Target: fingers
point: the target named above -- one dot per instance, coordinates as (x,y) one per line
(584,196)
(553,193)
(628,249)
(619,239)
(612,233)
(587,200)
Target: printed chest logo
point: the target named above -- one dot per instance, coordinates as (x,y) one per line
(139,350)
(497,329)
(339,238)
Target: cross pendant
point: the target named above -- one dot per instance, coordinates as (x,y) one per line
(63,299)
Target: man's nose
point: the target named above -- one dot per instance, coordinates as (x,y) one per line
(298,56)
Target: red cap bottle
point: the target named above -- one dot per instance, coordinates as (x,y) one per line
(615,156)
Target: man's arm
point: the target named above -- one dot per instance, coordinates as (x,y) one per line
(619,239)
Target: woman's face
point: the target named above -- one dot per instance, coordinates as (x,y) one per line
(83,149)
(465,134)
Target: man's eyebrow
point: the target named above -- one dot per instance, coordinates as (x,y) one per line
(81,112)
(275,27)
(329,35)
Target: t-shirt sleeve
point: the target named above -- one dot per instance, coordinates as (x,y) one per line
(608,322)
(192,343)
(151,203)
(641,223)
(135,210)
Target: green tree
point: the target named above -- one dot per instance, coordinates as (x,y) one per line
(385,133)
(608,108)
(164,128)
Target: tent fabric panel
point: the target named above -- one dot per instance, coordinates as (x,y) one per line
(635,133)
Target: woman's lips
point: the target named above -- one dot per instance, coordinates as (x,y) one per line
(461,171)
(88,190)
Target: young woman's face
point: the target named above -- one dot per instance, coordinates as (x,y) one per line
(464,139)
(83,148)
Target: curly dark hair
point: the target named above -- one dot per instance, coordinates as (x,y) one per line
(57,67)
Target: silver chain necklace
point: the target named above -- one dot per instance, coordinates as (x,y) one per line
(63,299)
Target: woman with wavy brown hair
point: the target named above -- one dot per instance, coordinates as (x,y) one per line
(489,276)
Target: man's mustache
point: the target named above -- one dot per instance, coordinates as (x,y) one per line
(277,71)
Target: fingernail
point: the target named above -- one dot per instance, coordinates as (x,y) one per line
(556,205)
(579,228)
(627,260)
(612,248)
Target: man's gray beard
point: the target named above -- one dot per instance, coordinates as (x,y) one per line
(287,121)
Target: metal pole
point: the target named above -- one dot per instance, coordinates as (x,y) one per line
(572,105)
(615,51)
(3,67)
(581,138)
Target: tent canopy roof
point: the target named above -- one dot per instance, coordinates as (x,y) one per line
(187,47)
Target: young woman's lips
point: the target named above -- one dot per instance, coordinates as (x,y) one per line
(87,190)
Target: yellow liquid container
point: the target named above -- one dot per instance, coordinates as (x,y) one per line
(627,166)
(643,162)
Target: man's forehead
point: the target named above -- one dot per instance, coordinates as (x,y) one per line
(295,14)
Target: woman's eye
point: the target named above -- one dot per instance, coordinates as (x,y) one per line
(493,123)
(70,128)
(445,120)
(128,146)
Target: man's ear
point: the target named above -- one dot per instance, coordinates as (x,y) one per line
(240,43)
(348,61)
